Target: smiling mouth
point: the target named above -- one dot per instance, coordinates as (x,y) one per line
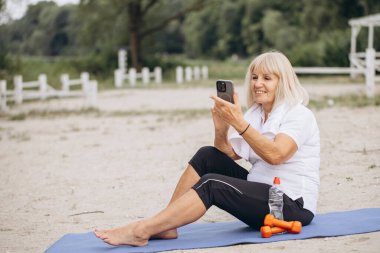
(260,92)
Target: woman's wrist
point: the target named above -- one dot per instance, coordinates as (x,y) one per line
(241,126)
(245,130)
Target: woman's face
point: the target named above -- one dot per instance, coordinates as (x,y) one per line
(263,87)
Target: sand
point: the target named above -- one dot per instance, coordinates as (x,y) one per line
(65,170)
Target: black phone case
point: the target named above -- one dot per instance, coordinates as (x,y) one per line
(228,94)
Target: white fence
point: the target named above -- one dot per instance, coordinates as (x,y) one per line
(197,73)
(87,88)
(132,76)
(365,64)
(325,70)
(40,89)
(3,95)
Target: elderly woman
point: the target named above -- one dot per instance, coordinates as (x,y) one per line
(278,135)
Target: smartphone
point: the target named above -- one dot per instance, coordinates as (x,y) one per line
(225,90)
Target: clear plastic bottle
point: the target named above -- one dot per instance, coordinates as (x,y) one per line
(276,201)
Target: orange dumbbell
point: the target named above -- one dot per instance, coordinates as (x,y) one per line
(267,231)
(293,227)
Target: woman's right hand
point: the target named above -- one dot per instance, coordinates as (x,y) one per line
(221,132)
(221,127)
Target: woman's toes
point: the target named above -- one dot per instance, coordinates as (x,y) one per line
(101,234)
(104,236)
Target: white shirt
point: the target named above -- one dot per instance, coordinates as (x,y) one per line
(300,174)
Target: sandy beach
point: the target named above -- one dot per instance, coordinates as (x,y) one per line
(67,170)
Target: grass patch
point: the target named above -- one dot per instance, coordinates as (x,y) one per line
(51,114)
(232,69)
(179,114)
(352,100)
(20,137)
(18,117)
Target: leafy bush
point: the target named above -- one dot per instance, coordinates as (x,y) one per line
(307,54)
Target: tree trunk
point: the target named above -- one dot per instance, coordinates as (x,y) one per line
(136,14)
(135,18)
(134,45)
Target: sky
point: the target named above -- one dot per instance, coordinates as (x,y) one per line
(15,9)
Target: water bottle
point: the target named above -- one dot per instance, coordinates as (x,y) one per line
(276,201)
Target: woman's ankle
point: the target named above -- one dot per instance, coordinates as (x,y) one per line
(141,231)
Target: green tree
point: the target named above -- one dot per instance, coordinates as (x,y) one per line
(310,32)
(42,30)
(277,32)
(199,37)
(138,12)
(215,30)
(144,18)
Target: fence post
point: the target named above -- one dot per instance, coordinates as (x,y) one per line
(179,74)
(205,73)
(3,95)
(119,78)
(188,74)
(145,76)
(65,81)
(91,94)
(42,81)
(122,57)
(18,89)
(354,34)
(197,73)
(158,75)
(84,78)
(132,77)
(370,56)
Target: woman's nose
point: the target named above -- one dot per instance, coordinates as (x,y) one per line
(259,82)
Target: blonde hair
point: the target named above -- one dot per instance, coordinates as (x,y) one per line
(289,89)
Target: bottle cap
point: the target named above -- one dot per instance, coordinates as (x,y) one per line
(276,180)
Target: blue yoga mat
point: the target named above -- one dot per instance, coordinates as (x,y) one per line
(228,233)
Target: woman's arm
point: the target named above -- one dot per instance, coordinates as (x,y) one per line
(221,136)
(274,152)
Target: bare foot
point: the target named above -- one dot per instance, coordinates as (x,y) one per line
(170,234)
(127,235)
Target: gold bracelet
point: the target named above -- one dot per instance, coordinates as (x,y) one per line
(245,129)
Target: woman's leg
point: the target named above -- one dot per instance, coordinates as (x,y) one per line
(247,201)
(182,211)
(187,180)
(207,160)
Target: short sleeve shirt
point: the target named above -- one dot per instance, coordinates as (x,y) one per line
(300,174)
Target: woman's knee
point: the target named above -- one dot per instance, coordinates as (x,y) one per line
(204,188)
(206,152)
(200,160)
(210,176)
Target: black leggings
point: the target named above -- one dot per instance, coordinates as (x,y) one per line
(224,184)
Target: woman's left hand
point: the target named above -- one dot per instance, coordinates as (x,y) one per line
(230,113)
